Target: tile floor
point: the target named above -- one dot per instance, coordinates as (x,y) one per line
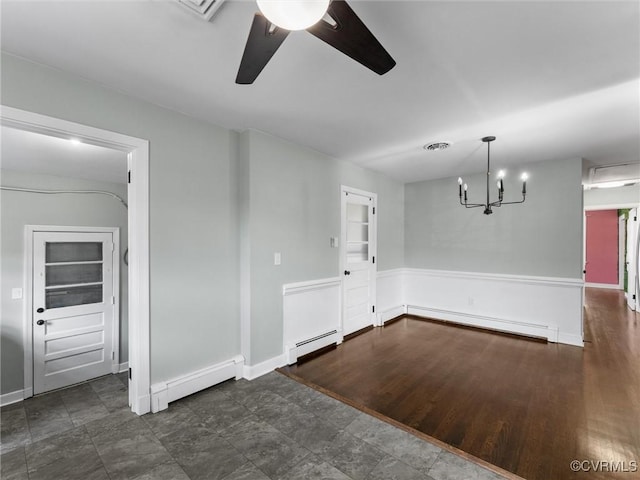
(269,428)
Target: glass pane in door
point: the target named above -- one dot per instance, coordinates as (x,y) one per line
(357,213)
(68,297)
(58,252)
(357,232)
(73,274)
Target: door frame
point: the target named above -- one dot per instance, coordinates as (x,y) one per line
(373,249)
(29,231)
(633,284)
(137,150)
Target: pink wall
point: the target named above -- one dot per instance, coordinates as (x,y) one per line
(602,247)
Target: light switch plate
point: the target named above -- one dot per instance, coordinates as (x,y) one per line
(334,242)
(277,258)
(16,293)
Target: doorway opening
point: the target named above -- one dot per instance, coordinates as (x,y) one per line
(137,153)
(623,228)
(604,249)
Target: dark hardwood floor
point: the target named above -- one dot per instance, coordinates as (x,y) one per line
(526,406)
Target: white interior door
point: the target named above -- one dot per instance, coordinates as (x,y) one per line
(358,260)
(632,260)
(73,307)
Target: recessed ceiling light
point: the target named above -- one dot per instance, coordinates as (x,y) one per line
(434,147)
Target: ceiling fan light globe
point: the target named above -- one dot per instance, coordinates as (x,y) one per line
(293,14)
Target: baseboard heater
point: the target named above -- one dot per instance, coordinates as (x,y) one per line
(303,347)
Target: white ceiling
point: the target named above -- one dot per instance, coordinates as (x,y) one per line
(551,80)
(33,152)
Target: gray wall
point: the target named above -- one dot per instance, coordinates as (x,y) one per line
(294,208)
(542,237)
(194,278)
(19,209)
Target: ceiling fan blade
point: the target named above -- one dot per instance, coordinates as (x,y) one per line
(353,38)
(264,39)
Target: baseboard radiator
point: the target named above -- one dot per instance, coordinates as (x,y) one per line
(303,347)
(162,393)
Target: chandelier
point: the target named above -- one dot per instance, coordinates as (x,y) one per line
(498,203)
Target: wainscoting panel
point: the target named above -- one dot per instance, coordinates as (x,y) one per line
(390,292)
(311,312)
(545,307)
(537,306)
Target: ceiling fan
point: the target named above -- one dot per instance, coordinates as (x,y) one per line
(332,21)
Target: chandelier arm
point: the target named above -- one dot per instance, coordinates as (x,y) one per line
(519,201)
(471,205)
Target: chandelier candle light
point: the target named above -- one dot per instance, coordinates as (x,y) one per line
(498,203)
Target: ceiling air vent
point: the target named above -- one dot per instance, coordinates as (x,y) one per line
(434,147)
(204,8)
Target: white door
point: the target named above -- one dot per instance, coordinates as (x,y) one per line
(358,266)
(73,307)
(631,260)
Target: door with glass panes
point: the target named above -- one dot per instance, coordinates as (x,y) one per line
(74,307)
(358,260)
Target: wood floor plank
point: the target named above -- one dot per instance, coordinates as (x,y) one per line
(526,406)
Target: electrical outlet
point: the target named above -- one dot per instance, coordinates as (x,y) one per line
(16,293)
(470,301)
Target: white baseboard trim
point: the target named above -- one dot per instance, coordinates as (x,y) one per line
(611,286)
(569,339)
(123,367)
(162,393)
(11,397)
(491,323)
(28,392)
(144,405)
(251,372)
(390,313)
